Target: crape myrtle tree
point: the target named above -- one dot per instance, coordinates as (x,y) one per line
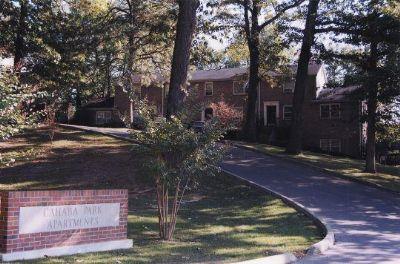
(174,158)
(251,17)
(367,35)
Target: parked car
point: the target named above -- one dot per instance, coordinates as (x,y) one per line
(198,126)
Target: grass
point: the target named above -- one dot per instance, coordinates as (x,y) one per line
(223,221)
(387,176)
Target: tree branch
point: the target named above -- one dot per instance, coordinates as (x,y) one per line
(281,12)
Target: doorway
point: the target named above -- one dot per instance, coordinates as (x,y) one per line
(271,113)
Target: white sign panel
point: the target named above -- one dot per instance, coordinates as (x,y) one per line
(67,217)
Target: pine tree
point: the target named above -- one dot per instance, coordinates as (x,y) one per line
(369,35)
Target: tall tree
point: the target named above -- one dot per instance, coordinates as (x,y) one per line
(256,16)
(145,28)
(370,35)
(19,44)
(180,61)
(296,131)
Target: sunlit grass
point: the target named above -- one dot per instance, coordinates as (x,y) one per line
(222,221)
(387,176)
(250,224)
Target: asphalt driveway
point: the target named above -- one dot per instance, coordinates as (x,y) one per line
(365,220)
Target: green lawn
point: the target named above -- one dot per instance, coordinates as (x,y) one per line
(387,176)
(224,220)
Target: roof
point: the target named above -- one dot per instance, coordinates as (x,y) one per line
(216,75)
(224,74)
(101,103)
(338,94)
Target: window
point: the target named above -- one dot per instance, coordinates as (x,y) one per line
(103,117)
(287,112)
(330,111)
(335,145)
(208,88)
(239,87)
(330,145)
(324,111)
(335,111)
(288,86)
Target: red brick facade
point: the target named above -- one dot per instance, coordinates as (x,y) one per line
(220,87)
(11,202)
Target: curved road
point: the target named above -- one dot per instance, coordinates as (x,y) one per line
(365,220)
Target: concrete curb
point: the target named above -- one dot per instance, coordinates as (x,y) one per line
(336,174)
(318,248)
(284,258)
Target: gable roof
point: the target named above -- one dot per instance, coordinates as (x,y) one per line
(217,75)
(229,73)
(224,74)
(338,94)
(100,103)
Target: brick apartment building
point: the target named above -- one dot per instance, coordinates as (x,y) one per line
(331,116)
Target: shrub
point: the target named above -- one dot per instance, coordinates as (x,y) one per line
(174,159)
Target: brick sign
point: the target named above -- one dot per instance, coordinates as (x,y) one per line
(35,224)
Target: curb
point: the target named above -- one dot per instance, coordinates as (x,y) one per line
(336,174)
(318,248)
(285,258)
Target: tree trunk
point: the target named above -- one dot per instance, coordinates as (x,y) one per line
(130,64)
(370,162)
(296,133)
(253,42)
(19,44)
(180,62)
(250,125)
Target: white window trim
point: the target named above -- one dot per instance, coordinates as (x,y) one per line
(330,143)
(105,120)
(205,89)
(271,103)
(286,91)
(320,111)
(283,114)
(233,87)
(330,111)
(340,111)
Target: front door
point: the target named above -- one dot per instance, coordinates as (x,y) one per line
(271,115)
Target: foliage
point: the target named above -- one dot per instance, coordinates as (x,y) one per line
(14,101)
(366,36)
(84,48)
(227,115)
(252,19)
(174,158)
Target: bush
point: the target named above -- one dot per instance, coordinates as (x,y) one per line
(174,157)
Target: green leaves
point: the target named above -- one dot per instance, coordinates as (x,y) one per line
(13,103)
(176,153)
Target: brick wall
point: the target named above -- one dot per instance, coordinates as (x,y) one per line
(12,241)
(346,129)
